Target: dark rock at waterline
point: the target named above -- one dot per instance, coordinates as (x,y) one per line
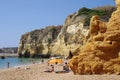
(2,57)
(27,55)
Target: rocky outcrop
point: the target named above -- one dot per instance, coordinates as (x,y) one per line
(101,53)
(72,36)
(75,31)
(66,40)
(37,42)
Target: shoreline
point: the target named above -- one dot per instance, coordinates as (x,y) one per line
(36,72)
(14,62)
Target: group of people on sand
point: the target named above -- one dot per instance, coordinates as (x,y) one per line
(52,69)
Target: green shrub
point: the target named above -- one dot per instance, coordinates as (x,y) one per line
(89,13)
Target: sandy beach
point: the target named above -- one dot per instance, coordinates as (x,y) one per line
(36,72)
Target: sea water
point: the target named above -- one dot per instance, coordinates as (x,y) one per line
(15,62)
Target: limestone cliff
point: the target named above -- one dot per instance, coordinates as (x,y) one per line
(66,40)
(101,54)
(75,31)
(37,42)
(72,35)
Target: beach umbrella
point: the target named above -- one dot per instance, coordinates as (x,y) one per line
(55,61)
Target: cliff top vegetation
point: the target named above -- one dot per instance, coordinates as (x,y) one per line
(104,13)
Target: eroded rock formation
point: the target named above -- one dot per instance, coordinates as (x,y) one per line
(101,54)
(72,36)
(37,42)
(75,31)
(68,38)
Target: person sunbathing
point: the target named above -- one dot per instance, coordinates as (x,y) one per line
(66,67)
(51,69)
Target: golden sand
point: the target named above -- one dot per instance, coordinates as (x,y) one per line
(36,72)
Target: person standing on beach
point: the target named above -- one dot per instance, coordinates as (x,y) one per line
(8,64)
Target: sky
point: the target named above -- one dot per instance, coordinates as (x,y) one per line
(20,16)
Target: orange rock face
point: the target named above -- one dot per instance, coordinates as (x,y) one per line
(101,54)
